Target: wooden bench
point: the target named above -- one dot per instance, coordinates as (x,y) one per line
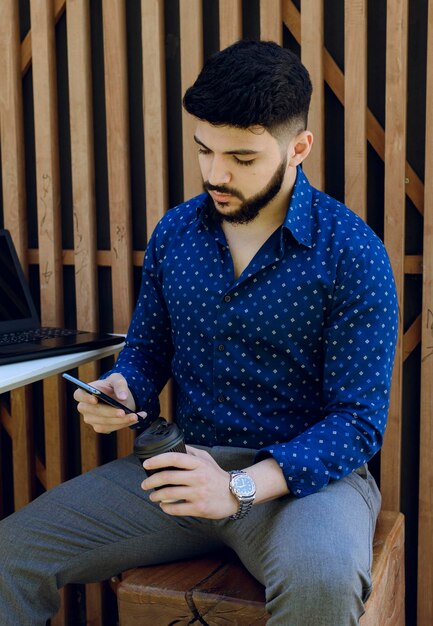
(218,590)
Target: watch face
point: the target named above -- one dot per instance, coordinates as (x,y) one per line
(244,485)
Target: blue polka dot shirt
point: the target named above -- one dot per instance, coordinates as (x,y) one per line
(294,358)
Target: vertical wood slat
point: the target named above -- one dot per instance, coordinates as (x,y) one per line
(154,111)
(425,520)
(355,110)
(230,22)
(82,163)
(47,161)
(271,24)
(155,131)
(22,446)
(15,219)
(117,115)
(395,199)
(83,184)
(312,57)
(116,99)
(12,129)
(84,211)
(48,209)
(191,61)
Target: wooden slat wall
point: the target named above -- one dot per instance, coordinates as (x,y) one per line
(355,110)
(191,61)
(312,58)
(230,22)
(361,127)
(395,203)
(84,217)
(425,529)
(117,116)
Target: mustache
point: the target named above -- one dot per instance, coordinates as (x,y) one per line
(222,189)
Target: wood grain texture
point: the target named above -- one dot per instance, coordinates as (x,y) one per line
(191,62)
(425,524)
(271,27)
(82,164)
(230,22)
(355,108)
(312,57)
(12,130)
(395,205)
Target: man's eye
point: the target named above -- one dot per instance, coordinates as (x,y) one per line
(241,162)
(203,151)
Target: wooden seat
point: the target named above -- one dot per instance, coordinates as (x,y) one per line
(218,590)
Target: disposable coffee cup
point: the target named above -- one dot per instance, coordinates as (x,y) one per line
(160,437)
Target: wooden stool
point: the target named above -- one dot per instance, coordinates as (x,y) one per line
(218,590)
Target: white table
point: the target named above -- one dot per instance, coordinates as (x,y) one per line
(25,372)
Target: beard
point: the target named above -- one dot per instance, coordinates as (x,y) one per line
(250,207)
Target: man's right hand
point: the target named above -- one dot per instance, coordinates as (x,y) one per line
(102,417)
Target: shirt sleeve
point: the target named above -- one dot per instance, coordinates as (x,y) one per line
(145,360)
(359,345)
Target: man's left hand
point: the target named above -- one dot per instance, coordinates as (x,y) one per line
(198,488)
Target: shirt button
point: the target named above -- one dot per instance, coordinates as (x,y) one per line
(227,298)
(221,347)
(221,399)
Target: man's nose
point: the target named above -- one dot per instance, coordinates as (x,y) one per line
(219,173)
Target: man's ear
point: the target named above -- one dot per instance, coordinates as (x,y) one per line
(299,148)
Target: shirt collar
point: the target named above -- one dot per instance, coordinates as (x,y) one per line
(298,217)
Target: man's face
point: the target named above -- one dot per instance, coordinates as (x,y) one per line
(243,170)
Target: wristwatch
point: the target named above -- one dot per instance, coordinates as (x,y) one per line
(243,488)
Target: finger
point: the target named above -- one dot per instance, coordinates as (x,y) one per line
(171,459)
(118,385)
(167,477)
(90,418)
(181,509)
(82,396)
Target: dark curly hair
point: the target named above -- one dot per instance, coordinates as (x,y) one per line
(252,83)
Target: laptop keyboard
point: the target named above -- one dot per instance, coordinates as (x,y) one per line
(28,336)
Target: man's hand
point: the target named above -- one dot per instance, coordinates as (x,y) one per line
(201,484)
(102,417)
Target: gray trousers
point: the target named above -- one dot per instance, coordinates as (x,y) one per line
(312,554)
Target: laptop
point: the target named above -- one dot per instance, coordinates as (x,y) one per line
(21,336)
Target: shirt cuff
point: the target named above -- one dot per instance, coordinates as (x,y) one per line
(304,473)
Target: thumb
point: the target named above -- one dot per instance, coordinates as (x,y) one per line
(120,387)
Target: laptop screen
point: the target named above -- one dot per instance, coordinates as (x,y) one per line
(17,310)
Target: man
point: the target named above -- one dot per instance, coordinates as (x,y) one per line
(273,307)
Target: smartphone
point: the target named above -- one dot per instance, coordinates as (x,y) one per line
(102,397)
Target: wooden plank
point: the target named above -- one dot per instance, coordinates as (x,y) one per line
(82,164)
(47,162)
(335,79)
(191,61)
(155,131)
(230,22)
(116,99)
(26,46)
(425,520)
(395,200)
(411,338)
(154,111)
(49,233)
(22,446)
(12,129)
(312,57)
(355,109)
(271,26)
